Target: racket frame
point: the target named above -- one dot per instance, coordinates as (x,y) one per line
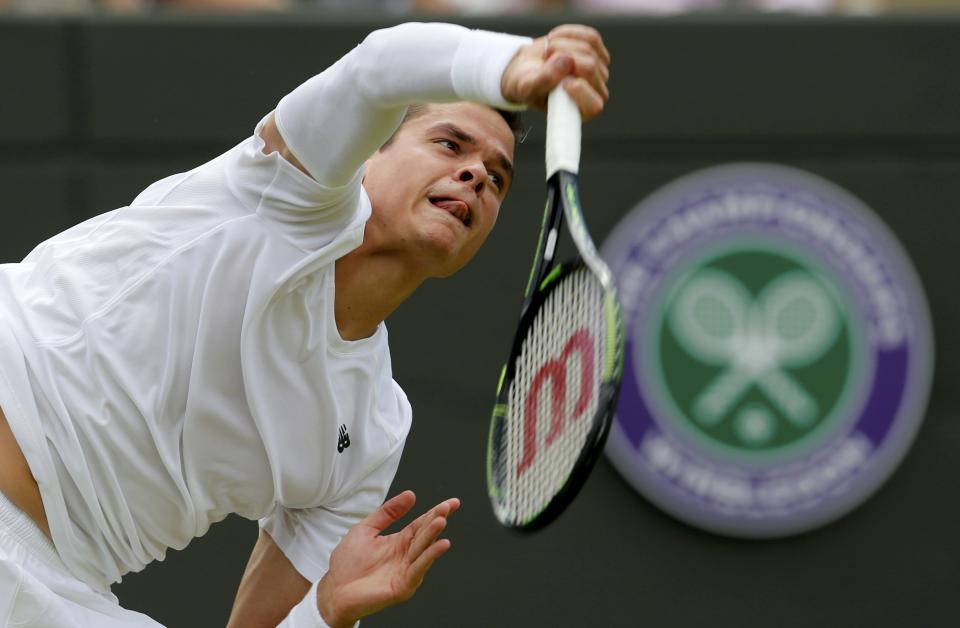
(563,200)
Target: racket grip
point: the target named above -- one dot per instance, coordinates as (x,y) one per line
(563,133)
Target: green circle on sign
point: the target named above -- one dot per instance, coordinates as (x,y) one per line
(755,351)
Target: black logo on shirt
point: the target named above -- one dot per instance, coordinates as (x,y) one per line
(344,440)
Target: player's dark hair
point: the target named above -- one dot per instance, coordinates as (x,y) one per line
(514,120)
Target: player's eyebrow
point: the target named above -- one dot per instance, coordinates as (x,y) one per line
(463,136)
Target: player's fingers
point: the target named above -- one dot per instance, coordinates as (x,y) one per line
(587,99)
(537,86)
(390,511)
(443,509)
(453,505)
(422,565)
(425,537)
(415,528)
(582,52)
(584,33)
(588,67)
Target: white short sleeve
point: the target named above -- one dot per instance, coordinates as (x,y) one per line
(307,537)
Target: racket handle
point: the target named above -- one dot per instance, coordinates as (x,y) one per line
(563,133)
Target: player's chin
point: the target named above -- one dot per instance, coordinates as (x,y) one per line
(449,270)
(444,261)
(447,255)
(456,263)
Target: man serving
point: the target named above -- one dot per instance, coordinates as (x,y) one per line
(218,346)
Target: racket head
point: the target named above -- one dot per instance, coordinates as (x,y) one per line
(556,398)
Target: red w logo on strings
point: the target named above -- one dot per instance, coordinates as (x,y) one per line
(554,371)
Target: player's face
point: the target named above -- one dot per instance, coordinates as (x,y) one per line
(436,189)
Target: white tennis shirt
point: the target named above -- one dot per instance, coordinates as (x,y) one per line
(174,361)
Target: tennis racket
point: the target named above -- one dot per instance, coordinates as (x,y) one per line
(559,387)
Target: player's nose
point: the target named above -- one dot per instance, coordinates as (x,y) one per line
(474,175)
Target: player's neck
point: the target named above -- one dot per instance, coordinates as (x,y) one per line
(369,288)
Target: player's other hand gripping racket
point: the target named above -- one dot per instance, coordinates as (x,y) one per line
(558,390)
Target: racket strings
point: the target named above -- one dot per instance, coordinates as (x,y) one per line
(553,399)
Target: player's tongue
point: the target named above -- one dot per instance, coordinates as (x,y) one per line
(455,207)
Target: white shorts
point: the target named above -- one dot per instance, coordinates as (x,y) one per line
(37,589)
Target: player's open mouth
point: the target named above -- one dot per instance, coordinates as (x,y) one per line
(454,207)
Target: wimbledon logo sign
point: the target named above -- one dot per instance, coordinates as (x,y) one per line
(779,351)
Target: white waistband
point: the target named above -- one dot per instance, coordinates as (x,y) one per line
(15,524)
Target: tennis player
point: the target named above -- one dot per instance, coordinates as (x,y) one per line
(218,346)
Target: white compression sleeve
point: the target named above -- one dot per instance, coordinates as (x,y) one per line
(337,119)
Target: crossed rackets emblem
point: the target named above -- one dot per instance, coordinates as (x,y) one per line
(791,323)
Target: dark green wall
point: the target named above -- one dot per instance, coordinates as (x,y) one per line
(92,110)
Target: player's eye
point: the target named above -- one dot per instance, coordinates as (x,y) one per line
(453,146)
(495,179)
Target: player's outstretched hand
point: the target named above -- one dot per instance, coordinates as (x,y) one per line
(571,53)
(370,571)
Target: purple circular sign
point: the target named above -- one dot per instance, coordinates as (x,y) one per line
(779,350)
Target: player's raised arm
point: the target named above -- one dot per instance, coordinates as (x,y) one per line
(371,87)
(334,121)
